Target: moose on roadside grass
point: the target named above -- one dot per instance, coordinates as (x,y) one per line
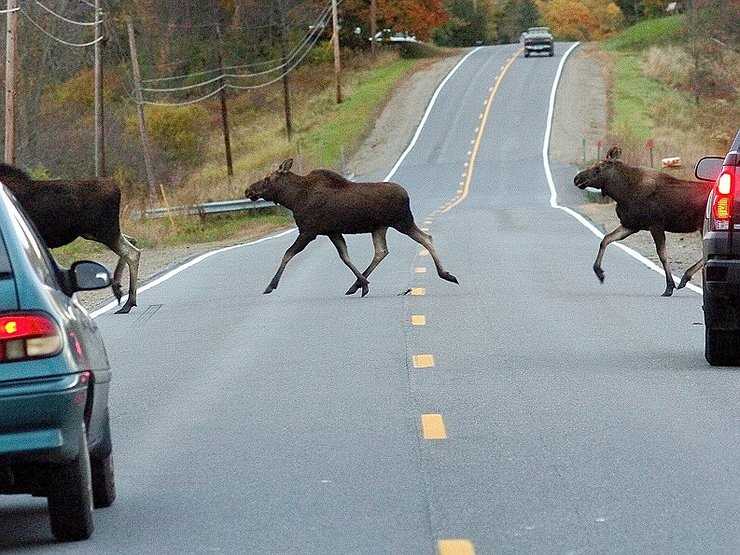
(325,203)
(647,200)
(62,211)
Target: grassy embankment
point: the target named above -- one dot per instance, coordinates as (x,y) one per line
(651,95)
(324,133)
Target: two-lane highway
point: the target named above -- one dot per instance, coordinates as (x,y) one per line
(529,410)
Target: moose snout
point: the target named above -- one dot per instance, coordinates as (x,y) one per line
(250,195)
(580,181)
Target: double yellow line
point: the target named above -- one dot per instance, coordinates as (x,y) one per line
(479,138)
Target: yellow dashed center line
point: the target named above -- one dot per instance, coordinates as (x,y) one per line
(433,426)
(423,361)
(418,320)
(424,252)
(455,547)
(421,270)
(418,292)
(480,130)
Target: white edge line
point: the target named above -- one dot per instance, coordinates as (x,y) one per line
(553,191)
(197,260)
(424,119)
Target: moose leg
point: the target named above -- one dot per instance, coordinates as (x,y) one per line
(425,240)
(298,245)
(381,251)
(659,238)
(130,255)
(117,277)
(617,235)
(688,274)
(341,247)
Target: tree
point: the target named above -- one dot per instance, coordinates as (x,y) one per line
(581,19)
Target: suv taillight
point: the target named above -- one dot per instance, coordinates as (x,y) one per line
(27,336)
(723,202)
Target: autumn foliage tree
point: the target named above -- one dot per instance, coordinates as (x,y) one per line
(581,19)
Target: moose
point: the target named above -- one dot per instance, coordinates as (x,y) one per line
(325,203)
(65,210)
(647,200)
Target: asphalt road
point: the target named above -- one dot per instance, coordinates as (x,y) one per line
(579,417)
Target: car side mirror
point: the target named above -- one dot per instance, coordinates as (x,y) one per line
(709,168)
(89,276)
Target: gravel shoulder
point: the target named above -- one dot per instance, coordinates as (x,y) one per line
(390,136)
(581,111)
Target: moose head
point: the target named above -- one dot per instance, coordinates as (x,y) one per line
(599,175)
(266,187)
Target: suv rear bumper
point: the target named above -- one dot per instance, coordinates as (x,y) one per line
(41,420)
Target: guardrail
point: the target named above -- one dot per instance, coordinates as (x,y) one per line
(209,208)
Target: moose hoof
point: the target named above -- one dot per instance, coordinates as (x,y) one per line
(268,290)
(365,290)
(668,292)
(352,290)
(684,282)
(117,293)
(599,273)
(449,277)
(125,309)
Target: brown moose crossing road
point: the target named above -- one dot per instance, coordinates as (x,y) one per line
(529,410)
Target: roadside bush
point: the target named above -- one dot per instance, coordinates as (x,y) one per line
(180,133)
(418,50)
(668,64)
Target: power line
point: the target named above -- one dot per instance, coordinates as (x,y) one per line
(312,36)
(56,38)
(66,19)
(319,24)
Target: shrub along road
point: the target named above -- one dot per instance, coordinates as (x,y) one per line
(529,410)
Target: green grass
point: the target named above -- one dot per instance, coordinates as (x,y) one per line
(344,125)
(648,33)
(634,98)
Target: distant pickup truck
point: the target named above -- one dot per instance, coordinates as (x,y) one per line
(538,39)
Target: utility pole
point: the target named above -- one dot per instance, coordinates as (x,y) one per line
(286,79)
(11,59)
(140,109)
(99,108)
(337,54)
(224,108)
(373,25)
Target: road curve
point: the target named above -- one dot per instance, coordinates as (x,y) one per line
(572,416)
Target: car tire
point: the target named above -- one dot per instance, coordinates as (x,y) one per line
(103,475)
(552,52)
(722,347)
(526,54)
(103,482)
(70,497)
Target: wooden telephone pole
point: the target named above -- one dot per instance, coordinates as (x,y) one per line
(286,79)
(11,58)
(99,107)
(373,25)
(337,54)
(224,108)
(140,109)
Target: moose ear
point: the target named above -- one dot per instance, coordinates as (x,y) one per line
(285,166)
(615,153)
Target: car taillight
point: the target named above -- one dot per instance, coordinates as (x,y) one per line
(723,203)
(27,336)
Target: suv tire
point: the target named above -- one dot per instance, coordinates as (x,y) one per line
(722,347)
(70,497)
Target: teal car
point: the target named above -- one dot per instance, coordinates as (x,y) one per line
(55,438)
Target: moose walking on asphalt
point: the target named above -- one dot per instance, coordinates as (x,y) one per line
(648,200)
(65,210)
(325,203)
